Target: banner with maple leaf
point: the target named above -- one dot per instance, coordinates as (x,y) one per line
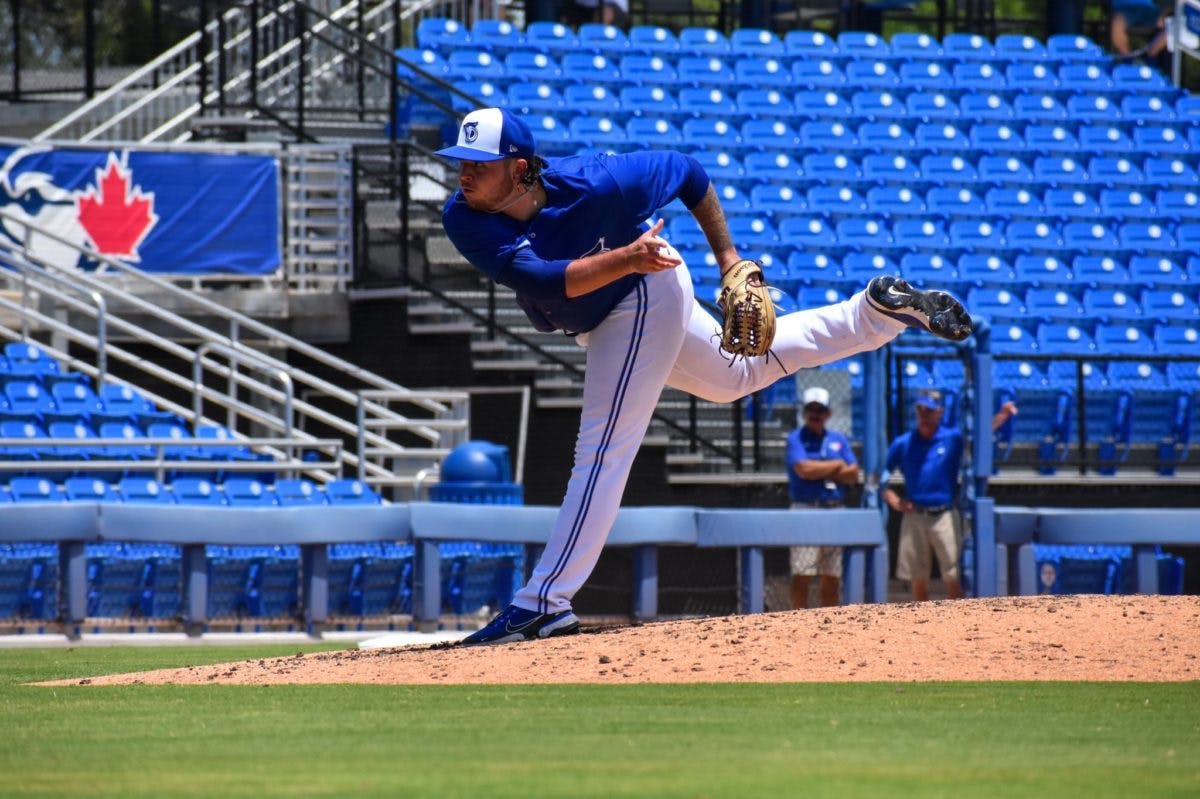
(176,212)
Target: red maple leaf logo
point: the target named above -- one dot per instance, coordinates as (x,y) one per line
(118,216)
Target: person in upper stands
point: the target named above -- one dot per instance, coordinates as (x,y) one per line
(1130,15)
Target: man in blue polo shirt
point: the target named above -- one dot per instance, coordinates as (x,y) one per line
(930,458)
(820,465)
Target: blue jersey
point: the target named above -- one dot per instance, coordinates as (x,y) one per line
(930,466)
(805,445)
(593,203)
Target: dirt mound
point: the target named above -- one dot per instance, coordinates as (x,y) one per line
(1142,638)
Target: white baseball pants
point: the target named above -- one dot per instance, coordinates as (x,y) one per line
(659,335)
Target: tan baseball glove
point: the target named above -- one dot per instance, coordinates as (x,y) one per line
(749,314)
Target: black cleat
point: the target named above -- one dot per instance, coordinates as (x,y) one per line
(936,311)
(519,624)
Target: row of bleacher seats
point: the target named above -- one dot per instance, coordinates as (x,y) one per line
(1100,304)
(549,37)
(188,490)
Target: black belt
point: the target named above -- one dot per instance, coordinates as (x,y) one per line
(832,504)
(935,510)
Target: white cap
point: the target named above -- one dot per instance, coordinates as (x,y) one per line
(816,394)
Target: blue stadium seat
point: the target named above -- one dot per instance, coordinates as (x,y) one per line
(1110,305)
(778,200)
(1004,170)
(833,201)
(499,36)
(1104,138)
(1069,47)
(978,77)
(968,47)
(297,491)
(807,231)
(1136,374)
(1147,109)
(247,492)
(1030,76)
(594,99)
(817,74)
(130,433)
(822,104)
(1010,202)
(1179,204)
(1125,203)
(536,98)
(756,41)
(725,166)
(654,133)
(861,45)
(758,103)
(75,398)
(915,46)
(992,107)
(890,168)
(827,135)
(1146,237)
(931,106)
(952,171)
(1188,236)
(895,201)
(28,397)
(1051,138)
(683,233)
(984,269)
(951,202)
(996,137)
(1187,107)
(696,39)
(996,305)
(1178,340)
(863,233)
(1052,305)
(484,94)
(1099,270)
(1013,340)
(1140,78)
(1085,78)
(1018,374)
(876,74)
(143,490)
(1033,236)
(530,66)
(860,267)
(1063,338)
(647,70)
(1020,48)
(817,296)
(1093,109)
(1159,140)
(1039,107)
(772,167)
(810,44)
(350,492)
(596,131)
(920,234)
(977,234)
(1092,237)
(879,104)
(760,72)
(89,489)
(941,137)
(590,68)
(752,232)
(1071,203)
(924,76)
(652,102)
(812,268)
(1172,171)
(1115,171)
(607,40)
(653,39)
(769,135)
(550,37)
(832,168)
(438,33)
(927,269)
(1166,305)
(1058,170)
(416,60)
(711,133)
(196,491)
(477,65)
(1041,271)
(1122,339)
(34,490)
(1159,270)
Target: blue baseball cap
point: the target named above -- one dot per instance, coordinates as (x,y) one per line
(928,398)
(491,134)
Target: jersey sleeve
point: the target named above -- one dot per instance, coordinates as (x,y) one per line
(848,451)
(500,250)
(651,179)
(795,449)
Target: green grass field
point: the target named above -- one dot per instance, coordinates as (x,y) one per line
(838,740)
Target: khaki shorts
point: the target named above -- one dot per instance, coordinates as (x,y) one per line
(922,535)
(811,561)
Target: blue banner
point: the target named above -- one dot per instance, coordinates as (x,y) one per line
(194,213)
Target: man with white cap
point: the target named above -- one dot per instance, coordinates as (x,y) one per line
(820,465)
(577,240)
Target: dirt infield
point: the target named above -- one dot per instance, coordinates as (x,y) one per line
(1121,638)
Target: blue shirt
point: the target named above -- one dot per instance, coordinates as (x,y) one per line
(930,466)
(594,203)
(805,445)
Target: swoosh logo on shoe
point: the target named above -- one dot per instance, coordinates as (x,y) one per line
(508,628)
(893,291)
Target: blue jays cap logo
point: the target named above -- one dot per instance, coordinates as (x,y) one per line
(471,131)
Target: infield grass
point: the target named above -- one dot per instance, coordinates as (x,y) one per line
(1079,740)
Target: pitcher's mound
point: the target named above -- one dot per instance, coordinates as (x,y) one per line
(1142,638)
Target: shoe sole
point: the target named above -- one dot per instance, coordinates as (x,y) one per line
(567,625)
(941,313)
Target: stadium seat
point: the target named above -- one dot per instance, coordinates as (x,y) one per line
(863,233)
(1033,237)
(1071,203)
(1063,338)
(1057,170)
(1090,237)
(1039,107)
(350,492)
(832,201)
(915,46)
(651,101)
(1159,140)
(1104,139)
(817,296)
(822,104)
(706,71)
(499,36)
(1030,76)
(1115,171)
(647,70)
(1125,203)
(1178,340)
(810,44)
(827,135)
(653,39)
(927,270)
(759,103)
(837,169)
(1020,48)
(608,40)
(752,232)
(807,231)
(815,74)
(695,39)
(760,72)
(756,41)
(769,135)
(1093,109)
(1041,271)
(143,490)
(1004,170)
(89,489)
(1140,78)
(417,64)
(778,200)
(1146,237)
(871,75)
(596,131)
(1099,270)
(1170,172)
(924,76)
(1122,339)
(772,168)
(1013,340)
(978,77)
(1159,270)
(710,133)
(247,492)
(986,107)
(1052,305)
(941,137)
(953,171)
(655,133)
(536,98)
(860,267)
(1069,47)
(995,304)
(894,201)
(75,398)
(474,64)
(437,33)
(1110,305)
(967,47)
(34,490)
(1084,78)
(877,104)
(890,168)
(995,137)
(1166,305)
(196,491)
(1147,109)
(1051,138)
(980,269)
(861,45)
(550,37)
(1011,202)
(1018,375)
(483,93)
(977,234)
(920,234)
(951,202)
(595,100)
(1188,236)
(297,491)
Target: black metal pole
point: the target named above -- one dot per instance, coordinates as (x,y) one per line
(220,63)
(405,177)
(756,411)
(693,435)
(254,53)
(89,48)
(302,26)
(1082,415)
(203,46)
(15,5)
(737,435)
(360,76)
